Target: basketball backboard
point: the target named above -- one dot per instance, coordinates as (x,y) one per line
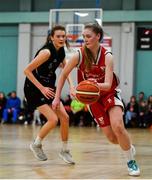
(74,21)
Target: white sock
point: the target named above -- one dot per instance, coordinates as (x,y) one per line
(130,153)
(133,150)
(38,140)
(64,145)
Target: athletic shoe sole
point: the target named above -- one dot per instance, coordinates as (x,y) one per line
(64,159)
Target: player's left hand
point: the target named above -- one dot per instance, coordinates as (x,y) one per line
(56,103)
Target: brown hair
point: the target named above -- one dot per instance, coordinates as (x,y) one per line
(51,32)
(88,56)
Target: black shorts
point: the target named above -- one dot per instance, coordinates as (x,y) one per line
(34,97)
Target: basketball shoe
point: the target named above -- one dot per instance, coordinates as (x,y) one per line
(133,168)
(38,152)
(66,156)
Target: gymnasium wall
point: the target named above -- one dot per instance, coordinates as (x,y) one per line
(45,5)
(21,35)
(8,57)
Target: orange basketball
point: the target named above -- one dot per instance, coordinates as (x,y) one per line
(87,92)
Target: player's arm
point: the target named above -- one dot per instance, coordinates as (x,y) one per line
(69,79)
(63,76)
(108,73)
(35,63)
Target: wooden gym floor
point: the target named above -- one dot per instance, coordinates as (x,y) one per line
(95,157)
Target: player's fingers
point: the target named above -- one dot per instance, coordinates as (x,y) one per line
(46,96)
(51,89)
(51,93)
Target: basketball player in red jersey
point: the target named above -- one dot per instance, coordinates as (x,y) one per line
(94,62)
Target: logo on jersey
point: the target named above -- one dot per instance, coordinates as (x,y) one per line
(109,100)
(53,64)
(42,99)
(101,120)
(96,72)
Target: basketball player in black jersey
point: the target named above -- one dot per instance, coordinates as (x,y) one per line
(39,89)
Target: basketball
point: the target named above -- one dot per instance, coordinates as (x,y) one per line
(87,92)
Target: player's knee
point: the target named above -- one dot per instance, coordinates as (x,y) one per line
(65,119)
(118,129)
(52,120)
(112,139)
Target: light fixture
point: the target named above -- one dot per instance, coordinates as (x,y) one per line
(81,14)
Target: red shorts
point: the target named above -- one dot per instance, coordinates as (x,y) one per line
(99,110)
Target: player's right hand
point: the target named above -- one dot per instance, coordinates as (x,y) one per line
(48,92)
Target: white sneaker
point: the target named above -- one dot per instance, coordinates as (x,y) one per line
(133,168)
(38,152)
(66,156)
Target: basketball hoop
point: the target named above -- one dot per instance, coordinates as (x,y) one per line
(72,37)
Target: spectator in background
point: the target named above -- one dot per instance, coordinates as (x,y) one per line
(27,112)
(67,102)
(149,103)
(13,106)
(149,112)
(78,111)
(131,111)
(141,97)
(2,103)
(142,114)
(87,118)
(36,117)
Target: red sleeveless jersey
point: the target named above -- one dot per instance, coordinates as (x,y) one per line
(97,70)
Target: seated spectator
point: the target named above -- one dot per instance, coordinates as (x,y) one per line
(67,100)
(78,112)
(36,117)
(87,119)
(149,112)
(149,103)
(141,97)
(13,106)
(27,112)
(67,105)
(2,103)
(131,112)
(142,114)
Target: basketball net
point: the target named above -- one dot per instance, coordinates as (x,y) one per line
(74,34)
